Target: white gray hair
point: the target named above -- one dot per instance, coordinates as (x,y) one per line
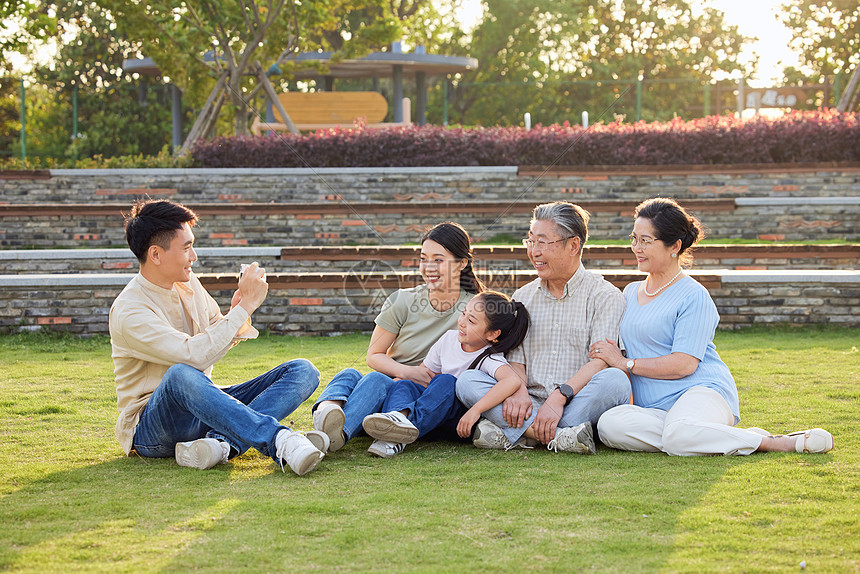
(569,219)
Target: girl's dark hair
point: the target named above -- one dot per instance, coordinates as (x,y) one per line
(672,222)
(456,240)
(155,222)
(508,316)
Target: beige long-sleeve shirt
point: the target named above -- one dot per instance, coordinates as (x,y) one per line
(152,329)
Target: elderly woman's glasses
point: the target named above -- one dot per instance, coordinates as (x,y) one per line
(642,242)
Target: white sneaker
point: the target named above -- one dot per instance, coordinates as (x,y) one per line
(390,427)
(578,439)
(202,454)
(330,420)
(297,451)
(319,439)
(386,449)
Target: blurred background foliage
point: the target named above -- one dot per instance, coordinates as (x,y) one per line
(620,60)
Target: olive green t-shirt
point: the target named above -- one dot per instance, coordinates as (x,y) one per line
(408,314)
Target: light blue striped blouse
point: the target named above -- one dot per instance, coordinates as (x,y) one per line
(682,319)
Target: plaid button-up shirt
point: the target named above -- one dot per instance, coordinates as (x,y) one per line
(562,329)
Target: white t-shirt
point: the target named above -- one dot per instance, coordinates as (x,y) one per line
(447,357)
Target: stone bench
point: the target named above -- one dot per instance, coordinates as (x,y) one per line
(753,256)
(333,302)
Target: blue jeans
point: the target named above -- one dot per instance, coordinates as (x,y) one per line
(434,407)
(187,405)
(362,396)
(606,389)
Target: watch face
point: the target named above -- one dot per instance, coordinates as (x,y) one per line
(630,363)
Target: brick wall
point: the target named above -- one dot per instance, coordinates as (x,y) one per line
(773,219)
(433,184)
(773,203)
(325,305)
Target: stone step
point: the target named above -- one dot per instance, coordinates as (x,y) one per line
(377,258)
(337,302)
(539,183)
(339,222)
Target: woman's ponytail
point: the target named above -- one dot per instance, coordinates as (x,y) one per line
(468,282)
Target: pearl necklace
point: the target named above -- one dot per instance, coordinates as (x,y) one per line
(657,292)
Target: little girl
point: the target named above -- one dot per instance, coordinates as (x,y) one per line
(491,325)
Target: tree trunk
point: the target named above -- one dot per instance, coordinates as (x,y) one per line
(240,116)
(848,101)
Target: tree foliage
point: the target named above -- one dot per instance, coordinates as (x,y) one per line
(540,55)
(115,115)
(9,114)
(22,23)
(241,33)
(826,33)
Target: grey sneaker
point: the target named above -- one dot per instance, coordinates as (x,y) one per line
(297,451)
(578,439)
(386,449)
(202,454)
(489,435)
(319,439)
(390,427)
(330,420)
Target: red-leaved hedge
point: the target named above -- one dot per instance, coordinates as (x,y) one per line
(799,137)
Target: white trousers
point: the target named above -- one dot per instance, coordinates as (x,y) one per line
(700,423)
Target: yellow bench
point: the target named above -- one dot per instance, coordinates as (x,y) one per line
(320,110)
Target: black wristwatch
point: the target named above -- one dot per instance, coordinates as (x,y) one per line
(567,391)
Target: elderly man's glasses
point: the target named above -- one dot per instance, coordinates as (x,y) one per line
(530,243)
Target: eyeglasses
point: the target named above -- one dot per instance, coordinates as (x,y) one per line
(640,241)
(529,243)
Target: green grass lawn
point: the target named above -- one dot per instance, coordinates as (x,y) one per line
(70,500)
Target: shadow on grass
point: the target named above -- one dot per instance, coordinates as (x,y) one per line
(437,507)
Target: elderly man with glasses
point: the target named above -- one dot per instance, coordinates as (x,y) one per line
(563,392)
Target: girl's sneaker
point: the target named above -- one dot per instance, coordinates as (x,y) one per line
(391,427)
(385,449)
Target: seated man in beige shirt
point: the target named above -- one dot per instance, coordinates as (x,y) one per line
(166,334)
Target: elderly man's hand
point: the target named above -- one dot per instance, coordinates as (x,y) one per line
(547,419)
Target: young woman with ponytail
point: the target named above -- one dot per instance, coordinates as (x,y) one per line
(410,322)
(491,325)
